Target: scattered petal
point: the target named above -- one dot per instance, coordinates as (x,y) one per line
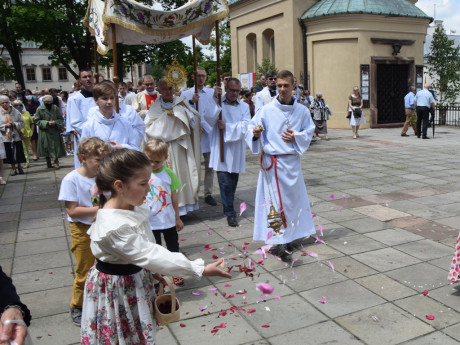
(242,208)
(196,293)
(313,254)
(332,196)
(304,254)
(215,257)
(265,326)
(223,313)
(182,325)
(228,285)
(375,318)
(182,239)
(267,308)
(331,265)
(429,317)
(277,298)
(250,311)
(265,288)
(212,289)
(323,300)
(319,240)
(425,292)
(269,235)
(241,292)
(207,247)
(203,308)
(320,228)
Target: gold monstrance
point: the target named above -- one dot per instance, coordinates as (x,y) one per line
(175,75)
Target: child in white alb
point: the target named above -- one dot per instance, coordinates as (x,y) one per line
(81,208)
(163,200)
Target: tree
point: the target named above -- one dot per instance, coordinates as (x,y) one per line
(263,68)
(443,67)
(10,39)
(6,71)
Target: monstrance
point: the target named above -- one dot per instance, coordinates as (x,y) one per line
(175,75)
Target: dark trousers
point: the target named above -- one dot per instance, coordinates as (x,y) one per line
(171,238)
(227,185)
(422,116)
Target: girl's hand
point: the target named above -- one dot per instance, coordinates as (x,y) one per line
(159,277)
(213,270)
(179,224)
(115,145)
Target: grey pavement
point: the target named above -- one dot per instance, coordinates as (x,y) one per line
(387,207)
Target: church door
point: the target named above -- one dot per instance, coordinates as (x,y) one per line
(392,86)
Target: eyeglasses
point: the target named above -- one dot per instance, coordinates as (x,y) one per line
(272,78)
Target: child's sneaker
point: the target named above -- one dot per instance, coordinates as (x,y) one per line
(75,314)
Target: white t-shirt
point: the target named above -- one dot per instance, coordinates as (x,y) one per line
(76,188)
(162,183)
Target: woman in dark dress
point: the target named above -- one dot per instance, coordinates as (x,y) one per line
(31,105)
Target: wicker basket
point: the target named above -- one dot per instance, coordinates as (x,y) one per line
(169,298)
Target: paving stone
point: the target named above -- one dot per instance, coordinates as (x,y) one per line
(425,249)
(351,268)
(7,208)
(436,338)
(342,298)
(43,280)
(39,213)
(405,222)
(448,295)
(323,333)
(385,259)
(453,222)
(385,287)
(444,262)
(7,266)
(55,329)
(47,260)
(336,216)
(6,251)
(41,246)
(433,230)
(164,336)
(7,237)
(288,305)
(198,330)
(384,324)
(9,217)
(32,204)
(352,202)
(393,237)
(39,302)
(41,233)
(420,306)
(420,277)
(453,331)
(355,244)
(42,222)
(380,212)
(364,225)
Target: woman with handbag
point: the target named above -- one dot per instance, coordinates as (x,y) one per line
(321,113)
(50,123)
(10,127)
(355,114)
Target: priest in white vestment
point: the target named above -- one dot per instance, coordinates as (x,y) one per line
(172,120)
(286,133)
(142,101)
(234,125)
(268,93)
(77,109)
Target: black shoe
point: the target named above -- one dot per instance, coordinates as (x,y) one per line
(286,258)
(425,138)
(404,135)
(21,172)
(14,173)
(280,250)
(429,125)
(210,200)
(231,220)
(418,136)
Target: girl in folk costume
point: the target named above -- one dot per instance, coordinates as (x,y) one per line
(50,123)
(355,114)
(106,123)
(119,290)
(10,128)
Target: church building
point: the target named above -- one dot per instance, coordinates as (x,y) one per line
(333,45)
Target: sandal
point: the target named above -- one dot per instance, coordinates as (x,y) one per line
(178,281)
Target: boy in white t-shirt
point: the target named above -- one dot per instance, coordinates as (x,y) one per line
(163,200)
(81,207)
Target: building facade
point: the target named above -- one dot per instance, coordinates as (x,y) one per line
(333,45)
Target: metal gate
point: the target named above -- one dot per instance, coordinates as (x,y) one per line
(391,89)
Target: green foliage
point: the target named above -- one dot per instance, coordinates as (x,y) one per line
(264,68)
(444,67)
(6,71)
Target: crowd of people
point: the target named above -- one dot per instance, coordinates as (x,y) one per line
(137,171)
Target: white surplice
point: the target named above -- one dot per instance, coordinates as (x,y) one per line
(116,128)
(263,98)
(76,115)
(209,112)
(178,124)
(236,117)
(275,118)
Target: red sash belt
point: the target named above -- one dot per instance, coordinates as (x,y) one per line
(274,163)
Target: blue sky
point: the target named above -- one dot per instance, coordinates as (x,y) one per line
(446,10)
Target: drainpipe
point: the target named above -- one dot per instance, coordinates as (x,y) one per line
(306,81)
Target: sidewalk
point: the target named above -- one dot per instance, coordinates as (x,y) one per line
(388,207)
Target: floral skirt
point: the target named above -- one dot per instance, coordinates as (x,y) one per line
(454,273)
(118,309)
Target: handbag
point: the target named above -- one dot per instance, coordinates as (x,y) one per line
(357,112)
(167,306)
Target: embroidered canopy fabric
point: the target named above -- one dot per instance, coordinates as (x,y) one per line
(137,23)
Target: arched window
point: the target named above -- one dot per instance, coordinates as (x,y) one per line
(251,52)
(268,45)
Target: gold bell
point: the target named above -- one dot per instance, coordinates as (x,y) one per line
(273,214)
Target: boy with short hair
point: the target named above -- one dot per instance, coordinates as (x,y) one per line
(163,200)
(81,207)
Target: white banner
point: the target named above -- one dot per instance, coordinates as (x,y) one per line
(139,24)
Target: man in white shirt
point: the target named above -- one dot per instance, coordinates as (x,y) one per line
(424,101)
(124,96)
(209,112)
(268,93)
(234,124)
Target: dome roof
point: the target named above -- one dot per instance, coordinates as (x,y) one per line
(397,8)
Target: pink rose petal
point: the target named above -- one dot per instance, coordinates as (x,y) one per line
(269,235)
(242,208)
(429,317)
(265,288)
(250,311)
(304,254)
(320,228)
(196,293)
(277,298)
(313,254)
(425,292)
(319,240)
(265,326)
(331,265)
(332,196)
(203,308)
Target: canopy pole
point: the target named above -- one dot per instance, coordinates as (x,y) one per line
(115,66)
(96,62)
(194,69)
(219,97)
